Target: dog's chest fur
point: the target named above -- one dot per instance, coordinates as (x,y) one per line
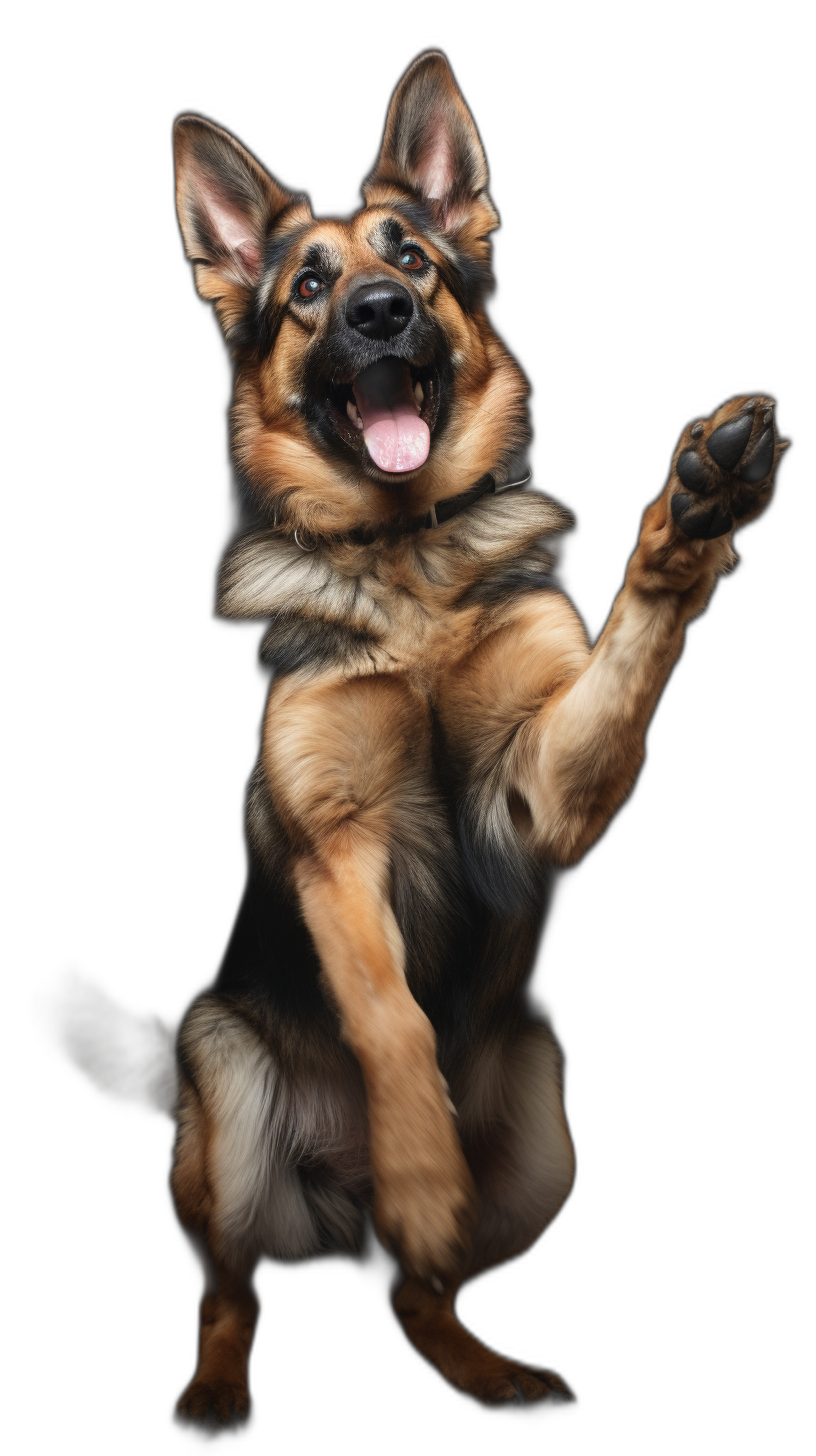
(410,604)
(461,880)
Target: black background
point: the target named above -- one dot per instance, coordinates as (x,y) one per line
(649,268)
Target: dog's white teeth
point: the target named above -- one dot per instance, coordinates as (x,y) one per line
(419,393)
(351,411)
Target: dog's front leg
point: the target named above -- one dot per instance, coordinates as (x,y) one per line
(577,759)
(341,760)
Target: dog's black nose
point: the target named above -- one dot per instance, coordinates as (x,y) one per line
(379,310)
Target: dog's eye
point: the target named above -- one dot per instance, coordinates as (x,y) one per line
(309,285)
(410,258)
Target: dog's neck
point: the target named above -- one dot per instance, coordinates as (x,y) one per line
(437,514)
(265,574)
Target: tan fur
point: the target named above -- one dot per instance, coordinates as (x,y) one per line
(582,715)
(339,760)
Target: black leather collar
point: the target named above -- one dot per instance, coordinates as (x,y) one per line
(439,512)
(444,510)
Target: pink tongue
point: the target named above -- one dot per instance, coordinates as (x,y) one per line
(396,438)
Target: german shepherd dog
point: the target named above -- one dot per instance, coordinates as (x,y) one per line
(439,735)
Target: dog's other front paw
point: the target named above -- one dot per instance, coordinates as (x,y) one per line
(424,1197)
(424,1213)
(724,467)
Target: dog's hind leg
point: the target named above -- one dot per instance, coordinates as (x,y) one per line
(517,1142)
(519,1149)
(429,1320)
(218,1394)
(236,1193)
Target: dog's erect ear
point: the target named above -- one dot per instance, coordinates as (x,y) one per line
(227,205)
(431,148)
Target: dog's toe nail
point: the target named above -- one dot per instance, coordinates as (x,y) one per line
(727,444)
(697,430)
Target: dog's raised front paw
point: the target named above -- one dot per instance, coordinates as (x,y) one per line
(724,467)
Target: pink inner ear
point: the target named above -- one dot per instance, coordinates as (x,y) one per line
(232,227)
(436,166)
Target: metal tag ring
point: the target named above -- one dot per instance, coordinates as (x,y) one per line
(312,546)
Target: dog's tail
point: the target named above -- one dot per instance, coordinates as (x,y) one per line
(131,1056)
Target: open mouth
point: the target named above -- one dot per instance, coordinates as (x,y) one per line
(388,410)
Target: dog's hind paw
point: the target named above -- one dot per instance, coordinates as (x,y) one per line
(521,1384)
(724,467)
(213,1403)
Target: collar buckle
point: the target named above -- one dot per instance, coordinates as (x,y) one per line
(511,484)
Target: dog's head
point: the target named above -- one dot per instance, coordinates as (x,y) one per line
(369,383)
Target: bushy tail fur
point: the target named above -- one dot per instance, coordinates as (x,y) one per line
(131,1056)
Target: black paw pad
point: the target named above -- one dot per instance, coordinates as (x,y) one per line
(698,521)
(727,444)
(759,463)
(725,476)
(693,473)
